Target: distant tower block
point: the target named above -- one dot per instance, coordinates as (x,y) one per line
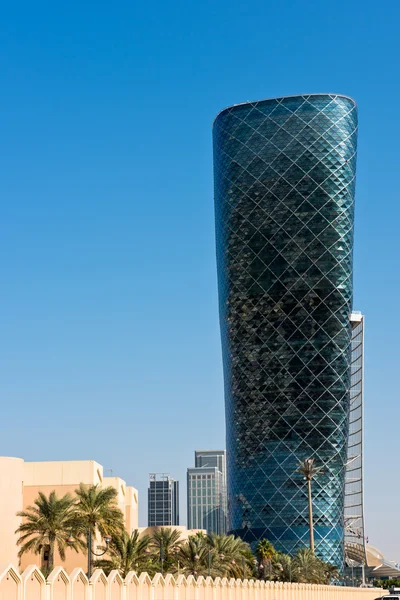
(163,500)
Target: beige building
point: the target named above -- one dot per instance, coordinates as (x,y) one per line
(20,483)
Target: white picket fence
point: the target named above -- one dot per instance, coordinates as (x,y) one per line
(31,585)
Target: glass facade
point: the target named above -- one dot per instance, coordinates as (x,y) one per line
(284,198)
(205,499)
(355,540)
(163,500)
(215,458)
(211,458)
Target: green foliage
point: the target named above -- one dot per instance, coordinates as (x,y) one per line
(265,553)
(303,567)
(47,524)
(192,557)
(50,522)
(387,584)
(265,550)
(331,572)
(96,509)
(230,555)
(164,547)
(282,567)
(214,555)
(126,553)
(307,568)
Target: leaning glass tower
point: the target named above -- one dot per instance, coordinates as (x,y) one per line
(284,199)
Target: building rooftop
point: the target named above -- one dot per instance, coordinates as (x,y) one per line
(280,98)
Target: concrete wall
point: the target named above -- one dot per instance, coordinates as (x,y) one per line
(62,473)
(131,509)
(127,500)
(11,477)
(31,585)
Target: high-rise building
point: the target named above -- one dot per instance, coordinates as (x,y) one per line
(211,458)
(215,458)
(355,538)
(206,491)
(284,194)
(163,500)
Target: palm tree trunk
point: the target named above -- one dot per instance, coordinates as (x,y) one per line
(310,516)
(50,562)
(89,552)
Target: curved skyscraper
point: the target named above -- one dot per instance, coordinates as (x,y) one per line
(284,196)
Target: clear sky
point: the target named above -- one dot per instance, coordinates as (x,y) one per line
(109,323)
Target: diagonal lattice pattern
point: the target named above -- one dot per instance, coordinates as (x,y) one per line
(284,197)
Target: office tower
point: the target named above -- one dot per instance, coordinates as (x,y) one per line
(211,458)
(205,491)
(355,540)
(215,458)
(163,500)
(284,198)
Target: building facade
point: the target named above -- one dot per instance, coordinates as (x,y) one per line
(163,500)
(205,491)
(211,458)
(215,458)
(355,538)
(284,174)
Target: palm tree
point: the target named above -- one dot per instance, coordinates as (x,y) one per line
(96,511)
(307,568)
(229,555)
(282,566)
(165,544)
(265,552)
(192,557)
(127,553)
(331,572)
(308,470)
(47,524)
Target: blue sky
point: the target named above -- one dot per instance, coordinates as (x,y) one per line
(109,324)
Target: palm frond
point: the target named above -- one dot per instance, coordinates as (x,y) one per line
(45,523)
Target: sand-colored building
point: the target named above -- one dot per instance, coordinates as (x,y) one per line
(20,483)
